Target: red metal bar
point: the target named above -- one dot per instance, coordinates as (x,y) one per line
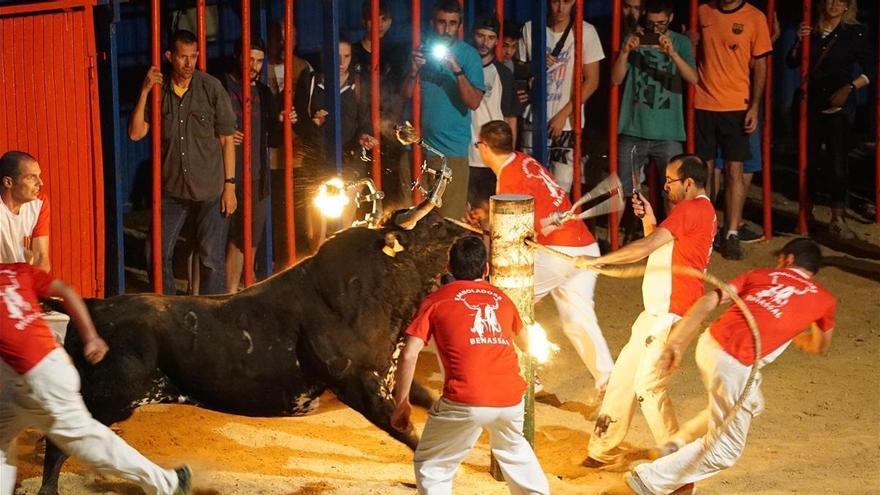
(290,232)
(156,147)
(416,98)
(375,82)
(576,102)
(499,14)
(767,133)
(246,145)
(877,135)
(201,33)
(614,111)
(692,89)
(802,131)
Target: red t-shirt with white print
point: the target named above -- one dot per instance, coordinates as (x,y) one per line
(784,302)
(473,324)
(524,175)
(25,339)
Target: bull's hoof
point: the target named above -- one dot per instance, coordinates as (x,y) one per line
(48,490)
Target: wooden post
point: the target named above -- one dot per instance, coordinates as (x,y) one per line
(512,269)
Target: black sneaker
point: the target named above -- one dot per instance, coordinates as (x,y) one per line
(184,480)
(718,241)
(732,250)
(748,236)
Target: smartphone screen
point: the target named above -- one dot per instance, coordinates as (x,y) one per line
(649,38)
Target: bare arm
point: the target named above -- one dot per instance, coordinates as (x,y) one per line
(688,72)
(40,252)
(683,332)
(621,65)
(94,346)
(137,124)
(511,121)
(632,252)
(403,378)
(228,201)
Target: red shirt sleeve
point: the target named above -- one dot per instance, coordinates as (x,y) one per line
(826,322)
(677,222)
(420,326)
(41,229)
(42,281)
(738,283)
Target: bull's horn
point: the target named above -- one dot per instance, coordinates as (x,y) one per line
(467,226)
(409,218)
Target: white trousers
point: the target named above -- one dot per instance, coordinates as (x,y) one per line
(47,397)
(725,379)
(636,380)
(450,433)
(572,291)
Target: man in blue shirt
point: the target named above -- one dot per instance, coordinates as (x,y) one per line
(451,76)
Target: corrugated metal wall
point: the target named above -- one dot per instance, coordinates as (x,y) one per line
(49,109)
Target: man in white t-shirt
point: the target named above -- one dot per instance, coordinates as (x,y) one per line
(560,72)
(24,212)
(499,103)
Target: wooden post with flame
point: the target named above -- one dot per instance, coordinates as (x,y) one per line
(512,269)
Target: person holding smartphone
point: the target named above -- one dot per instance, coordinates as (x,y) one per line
(653,66)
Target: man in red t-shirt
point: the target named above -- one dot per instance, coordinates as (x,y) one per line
(683,239)
(39,387)
(572,289)
(474,326)
(784,301)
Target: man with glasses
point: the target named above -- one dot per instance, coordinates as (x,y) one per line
(653,64)
(684,239)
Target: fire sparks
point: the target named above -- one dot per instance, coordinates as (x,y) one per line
(332,198)
(539,347)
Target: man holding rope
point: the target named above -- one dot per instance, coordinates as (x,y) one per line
(683,239)
(572,289)
(784,301)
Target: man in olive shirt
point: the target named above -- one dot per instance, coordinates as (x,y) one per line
(198,160)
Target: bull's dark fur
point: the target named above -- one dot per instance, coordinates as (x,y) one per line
(333,322)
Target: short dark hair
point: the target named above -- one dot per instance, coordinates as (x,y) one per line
(367,9)
(692,167)
(468,258)
(447,6)
(806,252)
(498,136)
(256,44)
(10,163)
(183,37)
(657,7)
(512,30)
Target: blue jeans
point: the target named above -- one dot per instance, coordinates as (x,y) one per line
(633,153)
(211,229)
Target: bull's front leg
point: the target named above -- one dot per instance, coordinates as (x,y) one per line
(369,394)
(51,468)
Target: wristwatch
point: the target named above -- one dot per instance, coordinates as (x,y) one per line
(852,86)
(229,180)
(459,73)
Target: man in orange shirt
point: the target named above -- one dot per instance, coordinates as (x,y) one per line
(732,68)
(474,325)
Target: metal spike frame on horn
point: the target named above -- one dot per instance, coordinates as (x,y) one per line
(605,198)
(407,135)
(336,193)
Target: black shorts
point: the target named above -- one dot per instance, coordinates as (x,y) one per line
(724,130)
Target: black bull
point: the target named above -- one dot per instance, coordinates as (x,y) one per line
(333,321)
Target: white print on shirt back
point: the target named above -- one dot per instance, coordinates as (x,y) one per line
(485,324)
(556,192)
(774,298)
(16,306)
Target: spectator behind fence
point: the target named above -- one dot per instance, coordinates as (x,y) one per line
(655,62)
(510,43)
(499,103)
(275,56)
(24,212)
(264,116)
(198,159)
(312,112)
(394,60)
(735,42)
(451,87)
(560,77)
(837,45)
(631,11)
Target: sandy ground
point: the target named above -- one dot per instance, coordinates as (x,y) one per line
(820,432)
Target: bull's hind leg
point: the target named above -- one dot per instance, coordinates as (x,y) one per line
(51,468)
(368,395)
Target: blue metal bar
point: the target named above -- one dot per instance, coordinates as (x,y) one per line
(539,86)
(264,250)
(330,63)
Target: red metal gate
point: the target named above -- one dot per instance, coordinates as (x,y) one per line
(49,108)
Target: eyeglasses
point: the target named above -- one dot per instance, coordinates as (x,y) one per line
(477,144)
(670,180)
(658,25)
